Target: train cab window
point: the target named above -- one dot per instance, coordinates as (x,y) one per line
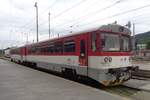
(110,42)
(82,48)
(93,44)
(69,46)
(125,41)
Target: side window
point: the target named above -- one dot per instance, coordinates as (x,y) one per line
(58,47)
(69,46)
(82,48)
(125,43)
(45,49)
(33,49)
(51,48)
(42,49)
(48,49)
(38,50)
(93,44)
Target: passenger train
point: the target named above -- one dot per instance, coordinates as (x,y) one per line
(103,54)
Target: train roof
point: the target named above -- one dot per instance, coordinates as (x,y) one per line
(105,28)
(116,28)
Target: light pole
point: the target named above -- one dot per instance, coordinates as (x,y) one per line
(27,39)
(134,47)
(49,24)
(36,6)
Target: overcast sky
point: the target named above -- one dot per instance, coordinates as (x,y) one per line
(17,17)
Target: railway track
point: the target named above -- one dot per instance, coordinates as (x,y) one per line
(142,75)
(122,90)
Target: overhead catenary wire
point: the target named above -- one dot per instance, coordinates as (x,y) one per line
(61,13)
(115,15)
(87,15)
(32,20)
(138,23)
(65,11)
(143,20)
(118,14)
(48,8)
(68,9)
(92,13)
(101,10)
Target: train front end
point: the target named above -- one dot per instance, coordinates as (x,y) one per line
(112,60)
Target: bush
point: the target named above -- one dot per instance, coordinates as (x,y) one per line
(148,45)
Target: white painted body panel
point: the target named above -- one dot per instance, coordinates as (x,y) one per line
(68,60)
(97,62)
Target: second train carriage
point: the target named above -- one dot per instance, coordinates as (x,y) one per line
(103,54)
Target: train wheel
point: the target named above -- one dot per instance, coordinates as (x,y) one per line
(69,73)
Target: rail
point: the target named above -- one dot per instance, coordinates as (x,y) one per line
(142,75)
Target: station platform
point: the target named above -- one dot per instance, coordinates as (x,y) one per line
(18,82)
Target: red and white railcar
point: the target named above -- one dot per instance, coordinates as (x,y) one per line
(103,54)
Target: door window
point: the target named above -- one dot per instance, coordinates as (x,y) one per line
(93,46)
(82,47)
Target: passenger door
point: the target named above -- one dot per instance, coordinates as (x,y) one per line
(83,57)
(23,53)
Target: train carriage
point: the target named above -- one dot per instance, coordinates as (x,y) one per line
(103,54)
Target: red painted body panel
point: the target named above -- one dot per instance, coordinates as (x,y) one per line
(24,50)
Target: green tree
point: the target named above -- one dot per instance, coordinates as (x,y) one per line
(148,45)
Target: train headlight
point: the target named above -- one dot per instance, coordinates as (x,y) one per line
(110,59)
(107,59)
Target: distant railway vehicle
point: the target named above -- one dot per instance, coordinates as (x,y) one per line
(103,54)
(7,52)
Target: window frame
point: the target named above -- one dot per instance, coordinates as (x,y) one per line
(102,42)
(120,42)
(58,45)
(129,45)
(95,42)
(69,42)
